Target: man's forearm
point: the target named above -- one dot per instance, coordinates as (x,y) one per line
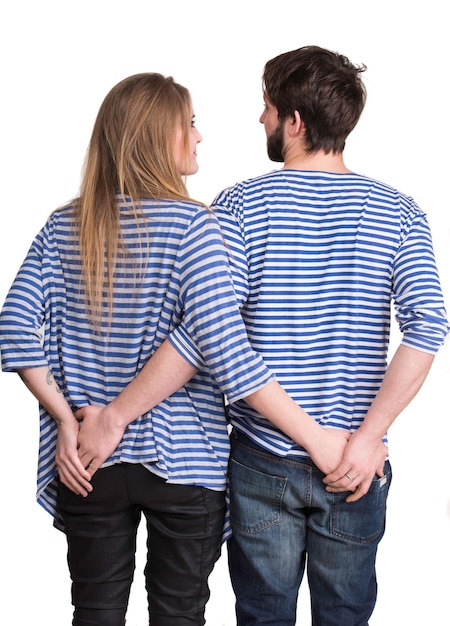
(404,377)
(163,374)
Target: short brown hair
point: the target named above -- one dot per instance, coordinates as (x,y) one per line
(324,87)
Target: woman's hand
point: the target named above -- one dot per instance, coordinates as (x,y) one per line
(328,449)
(70,469)
(98,437)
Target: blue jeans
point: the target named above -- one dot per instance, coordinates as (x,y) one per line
(283,519)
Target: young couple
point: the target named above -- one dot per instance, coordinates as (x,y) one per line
(155,307)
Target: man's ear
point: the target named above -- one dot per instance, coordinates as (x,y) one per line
(295,124)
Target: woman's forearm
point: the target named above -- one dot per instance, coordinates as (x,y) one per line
(324,445)
(164,374)
(167,371)
(42,385)
(276,405)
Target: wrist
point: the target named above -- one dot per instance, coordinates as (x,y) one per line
(311,435)
(65,421)
(115,416)
(369,433)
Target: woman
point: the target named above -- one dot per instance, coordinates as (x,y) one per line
(129,263)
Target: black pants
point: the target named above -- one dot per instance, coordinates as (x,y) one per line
(184,525)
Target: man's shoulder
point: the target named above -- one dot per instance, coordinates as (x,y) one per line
(241,187)
(275,184)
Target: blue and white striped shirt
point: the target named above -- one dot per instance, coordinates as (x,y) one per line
(185,290)
(317,260)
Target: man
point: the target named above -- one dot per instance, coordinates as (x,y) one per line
(318,253)
(321,252)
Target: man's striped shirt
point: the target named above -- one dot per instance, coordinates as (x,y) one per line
(318,258)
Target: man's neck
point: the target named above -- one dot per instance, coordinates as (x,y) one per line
(318,161)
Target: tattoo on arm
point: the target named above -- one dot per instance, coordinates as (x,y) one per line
(49,379)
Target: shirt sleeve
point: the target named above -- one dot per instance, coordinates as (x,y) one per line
(22,316)
(417,294)
(236,251)
(212,331)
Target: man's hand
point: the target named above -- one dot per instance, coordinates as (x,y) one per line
(70,469)
(97,438)
(363,459)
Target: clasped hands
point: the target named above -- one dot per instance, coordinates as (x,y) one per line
(83,448)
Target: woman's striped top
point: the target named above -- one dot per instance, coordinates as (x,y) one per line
(318,258)
(183,289)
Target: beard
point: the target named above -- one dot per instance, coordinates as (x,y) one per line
(275,145)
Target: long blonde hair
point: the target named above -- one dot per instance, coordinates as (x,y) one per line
(130,153)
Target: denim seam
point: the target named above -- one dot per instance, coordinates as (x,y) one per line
(281,459)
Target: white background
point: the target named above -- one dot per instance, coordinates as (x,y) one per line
(58,60)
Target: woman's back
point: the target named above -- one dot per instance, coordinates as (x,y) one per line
(174,271)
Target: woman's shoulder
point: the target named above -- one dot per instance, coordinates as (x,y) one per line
(183,210)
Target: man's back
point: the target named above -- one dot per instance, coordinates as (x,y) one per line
(317,257)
